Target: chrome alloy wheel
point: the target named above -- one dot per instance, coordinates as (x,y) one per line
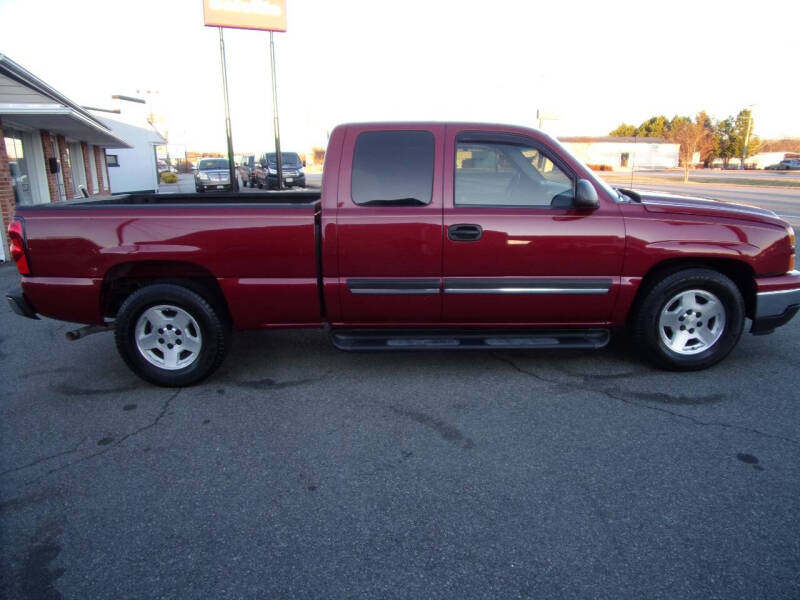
(691,321)
(168,337)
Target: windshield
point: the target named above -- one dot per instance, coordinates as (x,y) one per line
(208,164)
(287,158)
(610,190)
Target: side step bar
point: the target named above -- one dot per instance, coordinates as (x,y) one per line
(469,339)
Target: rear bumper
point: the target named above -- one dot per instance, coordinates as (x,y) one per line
(777,302)
(298,180)
(20,305)
(216,185)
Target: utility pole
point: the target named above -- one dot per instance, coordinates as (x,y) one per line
(747,135)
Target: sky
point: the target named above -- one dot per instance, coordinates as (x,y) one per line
(591,64)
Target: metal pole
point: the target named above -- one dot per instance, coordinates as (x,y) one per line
(275,125)
(231,165)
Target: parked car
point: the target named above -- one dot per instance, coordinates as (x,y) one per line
(788,164)
(292,166)
(165,167)
(247,170)
(425,236)
(212,174)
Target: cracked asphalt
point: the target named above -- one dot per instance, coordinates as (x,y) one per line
(299,471)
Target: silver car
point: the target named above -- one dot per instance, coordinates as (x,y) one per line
(212,174)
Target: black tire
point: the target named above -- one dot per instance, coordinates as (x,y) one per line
(645,322)
(260,185)
(214,333)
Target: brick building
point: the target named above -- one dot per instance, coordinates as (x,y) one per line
(52,149)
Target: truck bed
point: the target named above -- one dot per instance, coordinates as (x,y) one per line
(260,249)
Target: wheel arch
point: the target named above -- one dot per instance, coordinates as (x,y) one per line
(738,271)
(125,278)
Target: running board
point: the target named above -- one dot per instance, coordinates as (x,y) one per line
(469,339)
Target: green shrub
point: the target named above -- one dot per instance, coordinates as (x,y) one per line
(168,177)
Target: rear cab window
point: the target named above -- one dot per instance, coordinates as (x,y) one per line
(393,168)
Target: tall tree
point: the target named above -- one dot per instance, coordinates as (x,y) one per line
(742,126)
(693,136)
(624,130)
(654,127)
(724,141)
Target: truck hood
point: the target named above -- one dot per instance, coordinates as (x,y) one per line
(663,202)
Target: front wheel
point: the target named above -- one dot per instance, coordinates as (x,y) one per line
(170,335)
(689,320)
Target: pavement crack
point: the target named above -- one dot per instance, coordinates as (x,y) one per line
(516,367)
(116,443)
(33,463)
(618,395)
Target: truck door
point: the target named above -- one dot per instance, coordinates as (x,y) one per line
(515,250)
(389,224)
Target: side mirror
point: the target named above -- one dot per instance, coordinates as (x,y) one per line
(586,195)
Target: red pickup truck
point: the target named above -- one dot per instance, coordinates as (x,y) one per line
(425,235)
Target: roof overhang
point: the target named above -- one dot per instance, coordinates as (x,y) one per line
(63,120)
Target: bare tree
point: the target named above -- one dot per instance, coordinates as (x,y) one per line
(693,137)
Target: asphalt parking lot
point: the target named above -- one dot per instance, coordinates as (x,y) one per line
(299,471)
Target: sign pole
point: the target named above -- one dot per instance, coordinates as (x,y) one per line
(276,126)
(231,164)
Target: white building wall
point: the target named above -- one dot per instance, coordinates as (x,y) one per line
(641,155)
(137,170)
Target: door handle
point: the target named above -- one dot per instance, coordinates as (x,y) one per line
(464,232)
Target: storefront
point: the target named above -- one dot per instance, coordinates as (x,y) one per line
(52,149)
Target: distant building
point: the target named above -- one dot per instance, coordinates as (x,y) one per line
(133,169)
(624,153)
(52,149)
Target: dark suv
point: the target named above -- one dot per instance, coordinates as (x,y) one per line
(212,174)
(293,173)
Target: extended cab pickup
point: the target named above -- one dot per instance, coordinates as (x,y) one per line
(425,235)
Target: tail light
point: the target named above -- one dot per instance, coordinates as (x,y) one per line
(790,231)
(16,244)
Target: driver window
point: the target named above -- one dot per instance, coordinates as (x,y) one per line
(497,174)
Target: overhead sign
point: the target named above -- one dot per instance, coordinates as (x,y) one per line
(266,15)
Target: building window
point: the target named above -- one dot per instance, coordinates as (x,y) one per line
(93,169)
(62,192)
(112,160)
(104,169)
(78,170)
(27,166)
(18,166)
(623,159)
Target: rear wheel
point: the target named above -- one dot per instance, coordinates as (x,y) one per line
(689,320)
(170,335)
